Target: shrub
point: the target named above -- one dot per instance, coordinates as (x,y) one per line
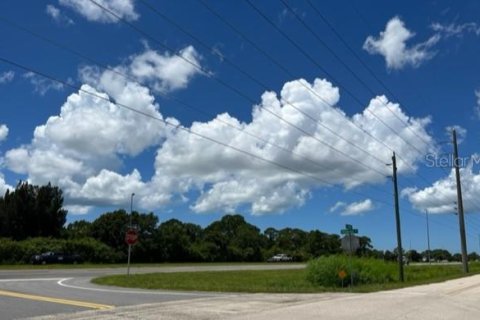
(325,271)
(91,250)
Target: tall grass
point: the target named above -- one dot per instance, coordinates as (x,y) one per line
(339,270)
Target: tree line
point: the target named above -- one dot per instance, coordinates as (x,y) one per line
(32,220)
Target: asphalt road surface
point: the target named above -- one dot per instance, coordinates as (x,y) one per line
(456,299)
(39,292)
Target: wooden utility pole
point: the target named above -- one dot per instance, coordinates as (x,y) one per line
(461,219)
(397,220)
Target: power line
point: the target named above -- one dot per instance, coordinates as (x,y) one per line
(350,70)
(183,103)
(178,127)
(290,74)
(314,62)
(260,83)
(137,29)
(232,88)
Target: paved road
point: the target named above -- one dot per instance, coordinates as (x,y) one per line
(452,300)
(27,293)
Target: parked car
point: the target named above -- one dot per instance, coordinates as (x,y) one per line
(55,257)
(281,257)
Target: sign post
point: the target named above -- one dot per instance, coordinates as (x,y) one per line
(349,232)
(131,237)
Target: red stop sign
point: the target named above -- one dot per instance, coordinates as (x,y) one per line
(131,236)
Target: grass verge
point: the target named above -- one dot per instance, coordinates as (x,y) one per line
(273,281)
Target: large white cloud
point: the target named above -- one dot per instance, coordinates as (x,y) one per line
(227,179)
(162,72)
(92,12)
(392,45)
(81,149)
(441,196)
(88,135)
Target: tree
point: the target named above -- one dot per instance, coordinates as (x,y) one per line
(365,248)
(175,240)
(110,228)
(32,211)
(319,243)
(78,229)
(233,239)
(414,256)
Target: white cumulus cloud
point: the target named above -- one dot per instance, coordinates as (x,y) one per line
(92,12)
(441,196)
(392,45)
(460,131)
(6,77)
(354,208)
(456,30)
(82,149)
(42,85)
(162,72)
(228,180)
(57,15)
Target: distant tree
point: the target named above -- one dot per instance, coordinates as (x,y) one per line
(473,256)
(78,229)
(32,211)
(271,235)
(456,257)
(414,256)
(175,241)
(389,255)
(440,254)
(110,228)
(319,243)
(366,247)
(233,239)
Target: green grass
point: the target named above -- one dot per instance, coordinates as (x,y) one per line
(273,281)
(225,281)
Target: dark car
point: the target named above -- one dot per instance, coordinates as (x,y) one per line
(55,257)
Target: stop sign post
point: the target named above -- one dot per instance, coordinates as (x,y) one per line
(131,237)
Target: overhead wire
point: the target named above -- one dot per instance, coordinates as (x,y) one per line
(321,68)
(183,103)
(178,127)
(336,56)
(232,88)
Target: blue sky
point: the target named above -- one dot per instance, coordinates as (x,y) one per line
(288,119)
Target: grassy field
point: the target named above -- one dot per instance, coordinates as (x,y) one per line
(278,281)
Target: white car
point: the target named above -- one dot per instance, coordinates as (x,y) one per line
(281,257)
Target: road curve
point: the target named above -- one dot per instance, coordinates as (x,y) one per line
(44,292)
(451,300)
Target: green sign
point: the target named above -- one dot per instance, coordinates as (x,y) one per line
(349,230)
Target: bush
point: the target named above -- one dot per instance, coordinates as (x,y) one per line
(325,271)
(91,250)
